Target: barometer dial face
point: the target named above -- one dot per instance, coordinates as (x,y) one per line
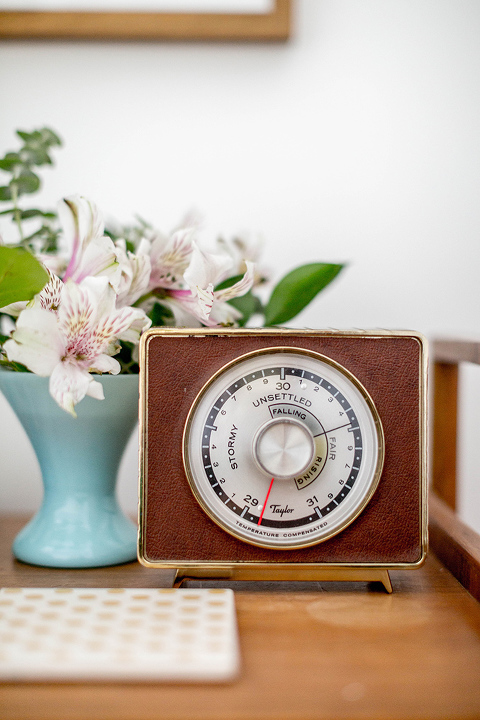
(283,448)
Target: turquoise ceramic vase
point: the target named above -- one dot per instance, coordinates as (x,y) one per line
(80,523)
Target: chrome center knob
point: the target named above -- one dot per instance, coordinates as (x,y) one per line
(283,448)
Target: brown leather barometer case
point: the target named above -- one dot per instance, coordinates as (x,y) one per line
(175,531)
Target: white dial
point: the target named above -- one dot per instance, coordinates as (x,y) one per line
(283,448)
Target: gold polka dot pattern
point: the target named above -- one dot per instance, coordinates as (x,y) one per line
(117,634)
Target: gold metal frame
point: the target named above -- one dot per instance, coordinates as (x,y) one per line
(328,361)
(231,570)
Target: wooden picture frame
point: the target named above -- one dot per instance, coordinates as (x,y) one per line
(272,26)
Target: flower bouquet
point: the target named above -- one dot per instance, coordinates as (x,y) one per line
(76,295)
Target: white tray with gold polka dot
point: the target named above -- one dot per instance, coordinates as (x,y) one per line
(117,634)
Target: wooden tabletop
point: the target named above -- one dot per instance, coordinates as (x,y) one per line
(318,650)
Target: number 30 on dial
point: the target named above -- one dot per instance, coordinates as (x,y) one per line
(283,448)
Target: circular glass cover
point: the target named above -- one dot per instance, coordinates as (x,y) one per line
(283,448)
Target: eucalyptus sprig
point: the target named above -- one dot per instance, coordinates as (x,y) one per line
(34,152)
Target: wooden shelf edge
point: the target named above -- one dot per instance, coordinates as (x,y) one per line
(455,351)
(455,544)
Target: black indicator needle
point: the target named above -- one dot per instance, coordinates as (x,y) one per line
(325,432)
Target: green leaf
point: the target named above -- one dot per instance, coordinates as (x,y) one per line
(26,182)
(24,135)
(125,358)
(293,293)
(11,365)
(21,275)
(5,193)
(248,305)
(34,212)
(10,161)
(36,156)
(160,315)
(36,146)
(50,137)
(45,136)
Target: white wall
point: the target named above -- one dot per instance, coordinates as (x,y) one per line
(358,140)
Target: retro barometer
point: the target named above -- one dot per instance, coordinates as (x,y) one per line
(282,454)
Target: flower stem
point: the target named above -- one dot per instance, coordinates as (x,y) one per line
(142,299)
(158,293)
(16,210)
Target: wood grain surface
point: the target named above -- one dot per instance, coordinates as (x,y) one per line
(319,650)
(447,356)
(444,450)
(455,544)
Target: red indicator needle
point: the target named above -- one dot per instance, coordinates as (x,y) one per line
(266,500)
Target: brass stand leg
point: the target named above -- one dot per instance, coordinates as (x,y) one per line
(178,580)
(378,575)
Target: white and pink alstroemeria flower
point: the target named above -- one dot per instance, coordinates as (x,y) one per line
(243,248)
(93,253)
(50,297)
(170,257)
(14,309)
(204,273)
(75,340)
(135,271)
